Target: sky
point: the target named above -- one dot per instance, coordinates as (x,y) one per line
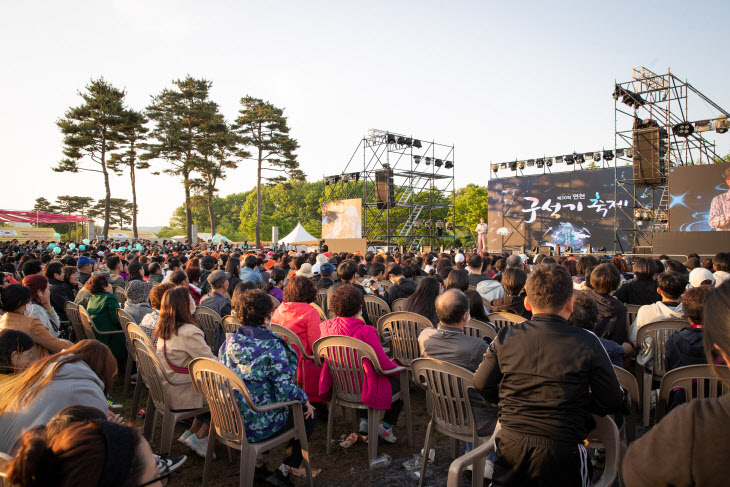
(498,80)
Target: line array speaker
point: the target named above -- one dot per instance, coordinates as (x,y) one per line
(384,192)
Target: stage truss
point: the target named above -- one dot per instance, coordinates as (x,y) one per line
(422,212)
(665,100)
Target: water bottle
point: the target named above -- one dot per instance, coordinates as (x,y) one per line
(381,461)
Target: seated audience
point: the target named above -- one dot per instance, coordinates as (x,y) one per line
(179,341)
(585,315)
(83,374)
(277,280)
(402,286)
(604,280)
(378,390)
(218,302)
(687,447)
(423,301)
(138,299)
(584,263)
(41,303)
(643,289)
(671,287)
(347,273)
(149,322)
(267,366)
(135,272)
(325,280)
(85,267)
(116,267)
(250,271)
(16,349)
(102,309)
(477,308)
(16,303)
(474,266)
(513,283)
(548,377)
(685,347)
(54,272)
(457,279)
(721,265)
(233,267)
(193,274)
(699,276)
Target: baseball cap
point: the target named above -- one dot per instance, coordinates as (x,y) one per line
(315,268)
(83,260)
(700,275)
(459,258)
(305,270)
(217,278)
(326,269)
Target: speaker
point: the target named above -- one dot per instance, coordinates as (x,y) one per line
(384,193)
(649,150)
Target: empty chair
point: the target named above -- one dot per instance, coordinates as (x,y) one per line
(476,328)
(221,386)
(209,321)
(697,381)
(376,307)
(501,320)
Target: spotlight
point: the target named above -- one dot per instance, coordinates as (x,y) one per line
(417,143)
(503,165)
(391,139)
(596,156)
(439,224)
(409,141)
(540,162)
(703,126)
(355,175)
(495,167)
(530,162)
(683,129)
(513,166)
(417,159)
(417,224)
(326,181)
(521,165)
(558,159)
(637,213)
(428,161)
(448,164)
(345,178)
(608,155)
(336,179)
(569,159)
(401,141)
(549,161)
(579,158)
(438,163)
(449,225)
(630,152)
(428,223)
(619,153)
(722,124)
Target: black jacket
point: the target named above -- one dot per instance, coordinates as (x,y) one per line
(638,292)
(324,283)
(475,279)
(60,293)
(510,304)
(403,289)
(685,348)
(611,323)
(548,377)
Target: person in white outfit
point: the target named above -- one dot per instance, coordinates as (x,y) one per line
(481,236)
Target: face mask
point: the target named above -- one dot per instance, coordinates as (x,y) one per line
(28,309)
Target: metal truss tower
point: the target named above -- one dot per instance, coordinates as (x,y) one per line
(659,103)
(419,209)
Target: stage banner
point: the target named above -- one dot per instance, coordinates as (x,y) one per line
(699,198)
(342,219)
(568,209)
(22,234)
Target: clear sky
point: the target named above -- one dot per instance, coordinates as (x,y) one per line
(499,80)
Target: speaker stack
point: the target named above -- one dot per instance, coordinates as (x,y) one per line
(384,192)
(649,154)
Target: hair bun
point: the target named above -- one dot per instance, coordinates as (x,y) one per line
(35,464)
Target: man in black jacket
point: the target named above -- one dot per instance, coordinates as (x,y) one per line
(548,377)
(403,286)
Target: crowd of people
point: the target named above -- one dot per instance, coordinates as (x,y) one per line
(541,378)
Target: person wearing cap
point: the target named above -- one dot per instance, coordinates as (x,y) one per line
(217,301)
(325,276)
(700,276)
(85,267)
(459,259)
(306,271)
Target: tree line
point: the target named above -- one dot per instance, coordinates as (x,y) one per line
(181,129)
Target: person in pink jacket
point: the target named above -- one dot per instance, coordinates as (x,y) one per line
(300,317)
(377,390)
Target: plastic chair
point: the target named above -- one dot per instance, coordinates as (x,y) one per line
(501,320)
(398,304)
(155,378)
(322,315)
(123,318)
(274,301)
(322,301)
(698,382)
(376,307)
(448,386)
(132,331)
(631,311)
(230,324)
(403,327)
(72,312)
(479,329)
(659,332)
(386,285)
(456,470)
(628,382)
(291,338)
(209,321)
(344,357)
(218,384)
(121,296)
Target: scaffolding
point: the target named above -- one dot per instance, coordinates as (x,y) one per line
(419,210)
(658,104)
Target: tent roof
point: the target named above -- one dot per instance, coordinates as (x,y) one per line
(298,235)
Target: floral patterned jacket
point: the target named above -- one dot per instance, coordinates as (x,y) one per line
(268,367)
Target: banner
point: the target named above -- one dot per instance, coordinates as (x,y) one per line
(22,234)
(571,209)
(38,217)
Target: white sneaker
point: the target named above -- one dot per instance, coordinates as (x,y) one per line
(198,445)
(184,437)
(488,469)
(387,433)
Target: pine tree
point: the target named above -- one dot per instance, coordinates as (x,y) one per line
(121,211)
(180,115)
(91,130)
(72,204)
(264,129)
(133,134)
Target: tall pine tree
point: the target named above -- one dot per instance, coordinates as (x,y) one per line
(180,115)
(264,130)
(91,130)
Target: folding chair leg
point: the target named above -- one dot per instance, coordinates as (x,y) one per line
(149,420)
(426,449)
(373,425)
(453,448)
(330,426)
(248,467)
(646,397)
(168,428)
(212,436)
(405,395)
(128,374)
(136,399)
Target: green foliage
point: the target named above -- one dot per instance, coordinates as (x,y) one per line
(470,206)
(167,232)
(91,130)
(120,211)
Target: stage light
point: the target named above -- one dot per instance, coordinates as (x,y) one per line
(619,153)
(408,141)
(540,162)
(530,162)
(345,178)
(336,179)
(521,165)
(722,124)
(683,129)
(448,164)
(569,159)
(637,213)
(549,161)
(355,175)
(503,165)
(608,155)
(568,250)
(513,166)
(438,163)
(449,225)
(703,126)
(428,161)
(417,159)
(495,167)
(630,152)
(439,224)
(579,159)
(558,159)
(417,224)
(596,156)
(391,139)
(417,143)
(428,223)
(326,181)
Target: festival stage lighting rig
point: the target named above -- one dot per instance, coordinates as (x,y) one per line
(596,156)
(449,225)
(495,167)
(722,124)
(539,162)
(417,143)
(438,163)
(608,154)
(428,161)
(683,129)
(530,162)
(569,159)
(449,164)
(521,165)
(391,139)
(417,159)
(579,159)
(513,166)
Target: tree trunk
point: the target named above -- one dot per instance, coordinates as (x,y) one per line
(108,194)
(188,212)
(134,193)
(210,208)
(258,201)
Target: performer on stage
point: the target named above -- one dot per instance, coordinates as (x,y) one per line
(482,236)
(720,209)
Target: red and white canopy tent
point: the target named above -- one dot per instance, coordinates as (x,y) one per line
(14,216)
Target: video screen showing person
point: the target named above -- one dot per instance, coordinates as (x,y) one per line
(699,198)
(342,219)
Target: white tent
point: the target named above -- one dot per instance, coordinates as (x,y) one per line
(298,235)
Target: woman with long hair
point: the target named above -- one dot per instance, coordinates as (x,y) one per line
(179,341)
(423,301)
(16,350)
(16,303)
(82,374)
(233,267)
(477,310)
(458,279)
